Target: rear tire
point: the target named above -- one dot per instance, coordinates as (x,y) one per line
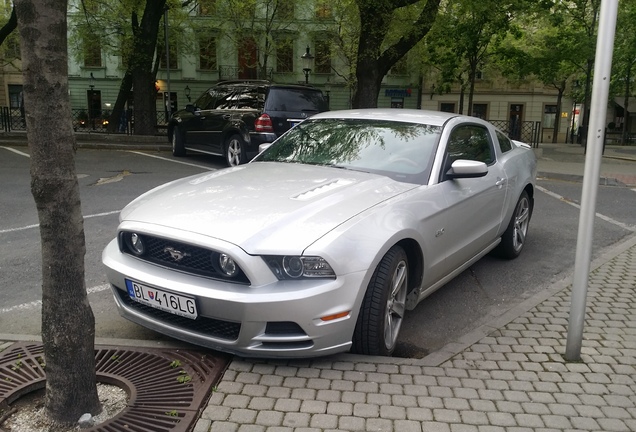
(178,147)
(383,306)
(514,238)
(235,151)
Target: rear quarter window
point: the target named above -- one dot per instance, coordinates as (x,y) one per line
(504,142)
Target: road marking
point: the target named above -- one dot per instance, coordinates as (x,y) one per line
(38,303)
(16,151)
(37,225)
(172,160)
(114,179)
(598,215)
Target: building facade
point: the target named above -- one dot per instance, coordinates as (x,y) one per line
(271,39)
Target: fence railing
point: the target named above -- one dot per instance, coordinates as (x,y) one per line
(525,131)
(85,121)
(12,119)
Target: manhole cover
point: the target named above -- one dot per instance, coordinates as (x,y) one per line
(166,387)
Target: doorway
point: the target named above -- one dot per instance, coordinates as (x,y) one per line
(516,119)
(248,59)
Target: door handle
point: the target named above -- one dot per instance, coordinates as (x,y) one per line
(226,116)
(500,181)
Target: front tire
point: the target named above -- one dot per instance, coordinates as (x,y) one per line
(514,238)
(383,306)
(178,147)
(235,151)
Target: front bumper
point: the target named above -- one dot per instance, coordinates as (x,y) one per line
(268,318)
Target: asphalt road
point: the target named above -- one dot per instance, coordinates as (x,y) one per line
(109,179)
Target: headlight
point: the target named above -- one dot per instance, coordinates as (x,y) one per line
(299,267)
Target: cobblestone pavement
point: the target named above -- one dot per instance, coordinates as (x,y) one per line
(513,379)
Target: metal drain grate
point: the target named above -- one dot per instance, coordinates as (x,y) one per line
(166,388)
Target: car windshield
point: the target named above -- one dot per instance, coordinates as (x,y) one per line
(400,150)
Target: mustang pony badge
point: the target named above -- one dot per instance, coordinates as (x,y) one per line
(176,255)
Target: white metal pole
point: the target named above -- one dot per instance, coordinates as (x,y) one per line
(595,138)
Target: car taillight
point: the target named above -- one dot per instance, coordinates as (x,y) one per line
(264,124)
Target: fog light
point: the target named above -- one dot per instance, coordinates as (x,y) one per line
(227,265)
(136,244)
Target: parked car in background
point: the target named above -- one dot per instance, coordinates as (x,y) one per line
(233,118)
(323,241)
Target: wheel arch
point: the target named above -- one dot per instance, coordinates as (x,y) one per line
(416,262)
(530,191)
(234,130)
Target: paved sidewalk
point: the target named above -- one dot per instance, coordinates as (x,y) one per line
(567,162)
(506,376)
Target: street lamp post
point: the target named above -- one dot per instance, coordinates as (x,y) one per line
(308,60)
(91,100)
(327,93)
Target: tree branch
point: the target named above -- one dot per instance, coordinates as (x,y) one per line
(11,25)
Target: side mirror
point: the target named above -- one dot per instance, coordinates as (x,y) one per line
(463,168)
(190,108)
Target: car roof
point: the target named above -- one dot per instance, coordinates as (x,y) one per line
(434,118)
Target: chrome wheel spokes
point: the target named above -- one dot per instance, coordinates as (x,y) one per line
(522,219)
(396,305)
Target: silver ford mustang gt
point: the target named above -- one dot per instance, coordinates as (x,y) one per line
(324,241)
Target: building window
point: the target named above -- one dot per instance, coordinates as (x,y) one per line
(15,95)
(92,52)
(549,116)
(285,55)
(322,62)
(207,7)
(480,111)
(447,107)
(161,52)
(285,10)
(323,9)
(207,53)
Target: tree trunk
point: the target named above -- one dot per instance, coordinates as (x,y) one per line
(557,120)
(368,85)
(68,324)
(114,122)
(373,63)
(140,66)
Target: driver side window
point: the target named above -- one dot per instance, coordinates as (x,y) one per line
(470,142)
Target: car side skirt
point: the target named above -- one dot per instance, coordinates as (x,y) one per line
(437,285)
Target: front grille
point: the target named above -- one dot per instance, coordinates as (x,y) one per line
(192,259)
(206,326)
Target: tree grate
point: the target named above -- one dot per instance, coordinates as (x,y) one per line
(166,387)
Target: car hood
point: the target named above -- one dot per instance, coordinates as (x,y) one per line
(264,207)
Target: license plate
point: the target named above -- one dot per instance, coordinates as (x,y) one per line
(169,302)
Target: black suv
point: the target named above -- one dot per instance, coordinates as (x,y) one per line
(234,117)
